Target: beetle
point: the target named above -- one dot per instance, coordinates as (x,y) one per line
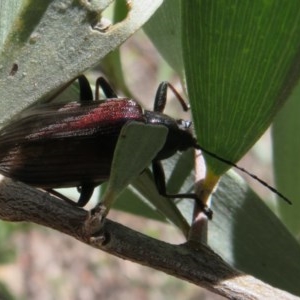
(72,145)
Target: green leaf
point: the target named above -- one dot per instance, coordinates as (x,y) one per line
(130,202)
(111,64)
(167,207)
(247,234)
(52,42)
(155,206)
(164,30)
(241,62)
(133,154)
(286,145)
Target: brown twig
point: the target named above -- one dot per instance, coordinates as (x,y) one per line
(192,261)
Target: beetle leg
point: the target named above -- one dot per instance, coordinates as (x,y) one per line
(161,97)
(86,94)
(106,88)
(86,192)
(60,196)
(160,182)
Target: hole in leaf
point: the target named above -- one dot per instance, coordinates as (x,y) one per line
(113,14)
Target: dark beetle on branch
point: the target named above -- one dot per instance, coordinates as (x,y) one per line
(72,145)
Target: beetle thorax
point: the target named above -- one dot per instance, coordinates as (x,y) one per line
(179,136)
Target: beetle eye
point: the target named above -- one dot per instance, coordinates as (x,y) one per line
(188,124)
(182,124)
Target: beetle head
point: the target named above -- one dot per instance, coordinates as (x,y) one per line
(179,136)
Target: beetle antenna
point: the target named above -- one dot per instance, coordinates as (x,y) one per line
(228,162)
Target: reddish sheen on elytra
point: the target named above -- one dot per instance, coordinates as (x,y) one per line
(99,114)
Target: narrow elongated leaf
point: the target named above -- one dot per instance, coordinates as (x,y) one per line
(155,206)
(111,64)
(133,154)
(181,167)
(51,42)
(145,186)
(241,62)
(246,233)
(286,145)
(130,202)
